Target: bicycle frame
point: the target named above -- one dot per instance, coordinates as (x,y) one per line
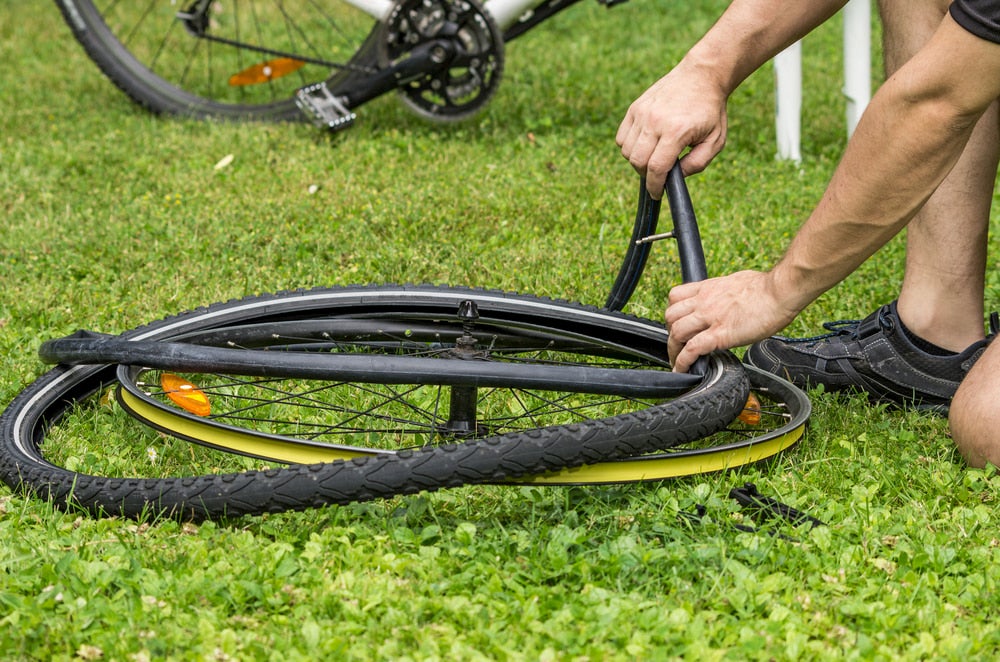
(446,68)
(506,13)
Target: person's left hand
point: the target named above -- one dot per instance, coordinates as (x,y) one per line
(685,108)
(721,313)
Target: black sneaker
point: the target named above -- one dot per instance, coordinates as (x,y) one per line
(873,355)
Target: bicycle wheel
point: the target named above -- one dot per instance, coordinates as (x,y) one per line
(774,423)
(480,439)
(243,59)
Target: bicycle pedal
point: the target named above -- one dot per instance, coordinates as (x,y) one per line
(323,107)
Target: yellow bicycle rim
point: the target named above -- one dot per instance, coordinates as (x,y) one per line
(684,462)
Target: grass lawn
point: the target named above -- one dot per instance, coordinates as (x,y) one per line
(113,218)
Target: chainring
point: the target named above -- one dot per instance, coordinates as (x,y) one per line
(469,80)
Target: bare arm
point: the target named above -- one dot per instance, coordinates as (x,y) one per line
(908,140)
(687,107)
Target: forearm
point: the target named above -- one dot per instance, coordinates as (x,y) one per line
(751,32)
(908,140)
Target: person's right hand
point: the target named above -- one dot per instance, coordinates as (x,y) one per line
(722,313)
(683,109)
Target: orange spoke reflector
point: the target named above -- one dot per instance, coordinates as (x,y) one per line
(751,412)
(265,71)
(185,395)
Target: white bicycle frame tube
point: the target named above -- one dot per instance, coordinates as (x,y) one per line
(504,12)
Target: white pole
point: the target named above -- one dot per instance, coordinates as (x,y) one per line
(788,101)
(857,59)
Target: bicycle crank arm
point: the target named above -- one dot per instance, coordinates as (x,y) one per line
(424,60)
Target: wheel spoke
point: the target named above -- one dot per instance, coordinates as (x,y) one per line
(398,415)
(199,58)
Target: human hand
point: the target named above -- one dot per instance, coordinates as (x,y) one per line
(721,313)
(682,109)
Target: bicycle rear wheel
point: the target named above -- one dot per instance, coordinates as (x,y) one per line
(440,434)
(243,59)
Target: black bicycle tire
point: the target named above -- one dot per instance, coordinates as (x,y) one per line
(637,253)
(691,461)
(22,426)
(152,92)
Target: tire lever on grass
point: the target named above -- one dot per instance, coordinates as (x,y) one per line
(750,498)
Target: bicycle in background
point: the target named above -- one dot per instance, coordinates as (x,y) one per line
(287,60)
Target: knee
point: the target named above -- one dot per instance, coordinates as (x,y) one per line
(975,424)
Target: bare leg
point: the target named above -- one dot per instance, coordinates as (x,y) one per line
(975,417)
(941,299)
(942,295)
